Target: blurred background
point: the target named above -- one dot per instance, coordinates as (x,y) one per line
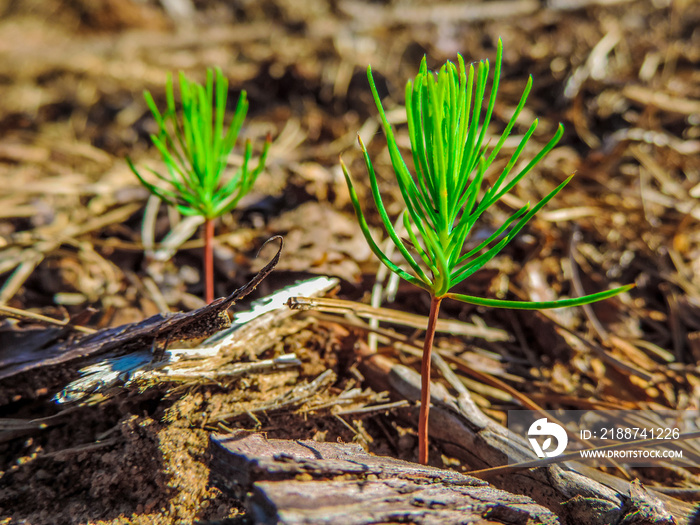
(621,75)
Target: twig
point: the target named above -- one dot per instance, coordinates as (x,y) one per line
(395,317)
(374,408)
(24,314)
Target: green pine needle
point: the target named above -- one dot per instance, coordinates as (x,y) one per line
(445,196)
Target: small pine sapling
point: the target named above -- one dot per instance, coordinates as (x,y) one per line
(195,148)
(447,127)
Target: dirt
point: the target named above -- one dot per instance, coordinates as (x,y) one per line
(622,77)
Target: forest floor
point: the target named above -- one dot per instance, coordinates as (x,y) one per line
(77,230)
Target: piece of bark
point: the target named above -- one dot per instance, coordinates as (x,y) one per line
(391,500)
(230,353)
(466,433)
(295,482)
(156,330)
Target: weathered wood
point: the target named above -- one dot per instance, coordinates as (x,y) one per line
(295,482)
(388,501)
(158,329)
(466,433)
(230,353)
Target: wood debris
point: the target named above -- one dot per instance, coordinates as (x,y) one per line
(294,482)
(154,331)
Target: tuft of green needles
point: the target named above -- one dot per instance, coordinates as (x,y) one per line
(195,146)
(448,116)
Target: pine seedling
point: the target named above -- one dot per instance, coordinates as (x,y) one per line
(195,148)
(448,193)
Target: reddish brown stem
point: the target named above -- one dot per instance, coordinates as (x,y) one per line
(425,381)
(208,260)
